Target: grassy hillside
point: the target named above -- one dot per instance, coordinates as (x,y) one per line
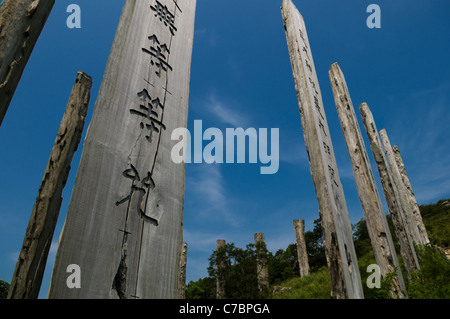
(432,281)
(436,218)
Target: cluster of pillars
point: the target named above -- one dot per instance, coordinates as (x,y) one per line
(27,19)
(262,268)
(408,224)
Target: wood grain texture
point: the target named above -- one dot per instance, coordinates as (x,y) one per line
(407,251)
(377,226)
(408,208)
(220,264)
(21,23)
(262,268)
(124,224)
(411,196)
(302,254)
(29,271)
(182,272)
(344,272)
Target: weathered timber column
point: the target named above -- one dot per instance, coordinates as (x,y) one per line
(344,273)
(27,278)
(406,247)
(410,194)
(299,228)
(182,274)
(220,276)
(407,207)
(21,23)
(124,226)
(377,226)
(262,269)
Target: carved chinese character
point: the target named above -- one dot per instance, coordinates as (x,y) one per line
(302,36)
(327,149)
(147,110)
(306,51)
(138,185)
(317,106)
(308,66)
(159,55)
(313,84)
(322,127)
(331,171)
(164,15)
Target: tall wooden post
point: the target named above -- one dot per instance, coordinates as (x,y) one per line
(410,194)
(302,255)
(409,210)
(344,272)
(21,23)
(124,223)
(377,226)
(220,276)
(406,247)
(27,278)
(182,274)
(262,269)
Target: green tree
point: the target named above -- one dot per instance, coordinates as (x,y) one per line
(314,247)
(432,280)
(436,218)
(239,271)
(4,288)
(204,288)
(283,264)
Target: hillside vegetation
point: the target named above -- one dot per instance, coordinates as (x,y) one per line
(431,281)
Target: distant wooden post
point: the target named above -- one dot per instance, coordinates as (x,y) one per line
(27,278)
(182,274)
(410,194)
(377,226)
(344,272)
(21,23)
(262,269)
(299,228)
(220,277)
(409,210)
(407,251)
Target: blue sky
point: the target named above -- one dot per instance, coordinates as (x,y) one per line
(241,77)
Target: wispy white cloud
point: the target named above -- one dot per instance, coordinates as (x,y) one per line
(226,112)
(293,153)
(208,190)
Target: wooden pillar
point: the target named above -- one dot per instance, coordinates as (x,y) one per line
(124,226)
(182,274)
(262,269)
(344,273)
(220,276)
(27,278)
(410,194)
(377,226)
(21,23)
(409,211)
(407,251)
(299,228)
